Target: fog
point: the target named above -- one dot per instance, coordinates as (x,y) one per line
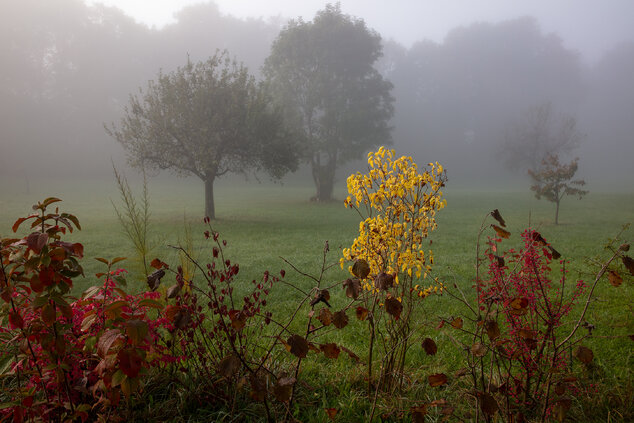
(464,78)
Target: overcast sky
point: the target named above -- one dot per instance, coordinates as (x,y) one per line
(590,26)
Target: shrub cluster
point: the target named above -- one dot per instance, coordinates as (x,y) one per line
(95,358)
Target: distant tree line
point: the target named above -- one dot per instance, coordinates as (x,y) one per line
(68,67)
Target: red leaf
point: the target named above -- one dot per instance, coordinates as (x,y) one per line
(18,222)
(36,241)
(15,320)
(331,412)
(158,264)
(129,362)
(48,314)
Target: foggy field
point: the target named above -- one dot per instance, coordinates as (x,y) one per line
(208,150)
(262,222)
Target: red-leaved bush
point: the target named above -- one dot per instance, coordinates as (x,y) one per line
(64,358)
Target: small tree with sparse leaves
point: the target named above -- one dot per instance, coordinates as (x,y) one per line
(553,181)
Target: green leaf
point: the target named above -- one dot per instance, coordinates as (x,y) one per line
(117,378)
(120,280)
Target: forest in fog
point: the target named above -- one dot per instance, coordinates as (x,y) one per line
(69,68)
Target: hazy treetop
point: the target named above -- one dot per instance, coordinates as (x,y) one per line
(590,26)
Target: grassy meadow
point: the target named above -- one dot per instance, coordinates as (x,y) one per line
(264,222)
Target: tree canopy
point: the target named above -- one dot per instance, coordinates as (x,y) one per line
(322,73)
(541,134)
(553,181)
(206,119)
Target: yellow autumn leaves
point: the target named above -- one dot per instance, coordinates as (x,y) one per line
(398,206)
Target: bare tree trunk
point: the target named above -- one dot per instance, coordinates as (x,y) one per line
(557,212)
(210,210)
(324,178)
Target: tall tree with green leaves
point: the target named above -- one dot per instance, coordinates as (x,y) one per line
(206,119)
(323,74)
(553,181)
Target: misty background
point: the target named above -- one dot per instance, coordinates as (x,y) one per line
(461,81)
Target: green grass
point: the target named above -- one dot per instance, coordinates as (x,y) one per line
(264,222)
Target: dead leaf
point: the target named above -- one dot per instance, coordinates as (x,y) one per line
(492,329)
(478,350)
(418,413)
(561,408)
(502,233)
(331,412)
(238,319)
(488,404)
(321,296)
(361,269)
(340,319)
(154,279)
(629,263)
(584,354)
(325,317)
(229,366)
(383,281)
(330,350)
(556,255)
(353,288)
(158,264)
(437,379)
(182,319)
(258,388)
(430,346)
(496,215)
(299,346)
(614,278)
(457,323)
(284,388)
(393,307)
(362,313)
(173,291)
(352,355)
(537,237)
